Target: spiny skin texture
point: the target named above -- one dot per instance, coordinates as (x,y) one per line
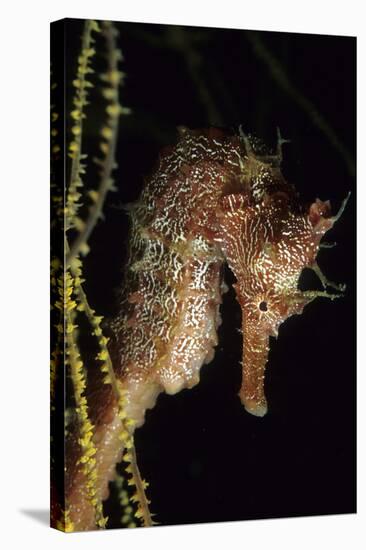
(170,306)
(213,198)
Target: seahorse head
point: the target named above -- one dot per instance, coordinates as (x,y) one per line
(267,242)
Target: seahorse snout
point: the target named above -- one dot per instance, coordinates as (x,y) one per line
(257,408)
(255,356)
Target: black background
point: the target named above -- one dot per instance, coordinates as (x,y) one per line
(205,457)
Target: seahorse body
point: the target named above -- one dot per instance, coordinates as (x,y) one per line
(213,198)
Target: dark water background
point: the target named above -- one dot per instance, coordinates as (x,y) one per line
(206,458)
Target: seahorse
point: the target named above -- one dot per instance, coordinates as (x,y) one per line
(213,198)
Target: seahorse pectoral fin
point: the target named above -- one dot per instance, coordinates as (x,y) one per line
(255,356)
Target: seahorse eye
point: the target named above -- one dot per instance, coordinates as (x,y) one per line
(263,306)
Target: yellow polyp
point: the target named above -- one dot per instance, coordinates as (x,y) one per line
(90,451)
(114,77)
(93,463)
(94,26)
(109,93)
(83,400)
(73,147)
(84,249)
(139,513)
(76,114)
(130,422)
(102,522)
(64,523)
(124,436)
(102,355)
(104,147)
(106,132)
(113,110)
(94,195)
(88,426)
(126,518)
(104,367)
(69,527)
(79,224)
(88,52)
(84,442)
(125,110)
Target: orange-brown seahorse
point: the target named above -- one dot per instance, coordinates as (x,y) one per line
(213,198)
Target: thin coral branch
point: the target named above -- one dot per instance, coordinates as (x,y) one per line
(127,517)
(127,424)
(82,85)
(280,76)
(140,484)
(185,43)
(108,146)
(95,321)
(72,297)
(57,342)
(57,211)
(139,497)
(64,523)
(86,428)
